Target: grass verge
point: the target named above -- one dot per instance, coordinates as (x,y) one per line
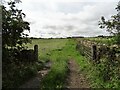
(59,58)
(57,76)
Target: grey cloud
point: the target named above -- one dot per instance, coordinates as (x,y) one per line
(72,7)
(63,27)
(90,31)
(76,18)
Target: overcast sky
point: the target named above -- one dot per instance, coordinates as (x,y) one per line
(62,18)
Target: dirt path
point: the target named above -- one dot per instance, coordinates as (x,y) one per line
(35,82)
(75,78)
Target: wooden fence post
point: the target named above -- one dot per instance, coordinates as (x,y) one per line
(94,52)
(36,52)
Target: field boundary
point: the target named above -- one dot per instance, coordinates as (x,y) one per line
(96,51)
(30,55)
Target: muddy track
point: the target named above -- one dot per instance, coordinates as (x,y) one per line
(35,82)
(75,78)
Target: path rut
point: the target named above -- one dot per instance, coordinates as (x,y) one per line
(75,78)
(35,82)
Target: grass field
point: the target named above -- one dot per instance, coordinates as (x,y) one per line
(47,45)
(59,51)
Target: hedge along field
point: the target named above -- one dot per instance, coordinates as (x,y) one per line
(100,40)
(105,73)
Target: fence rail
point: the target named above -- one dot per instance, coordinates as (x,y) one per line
(96,51)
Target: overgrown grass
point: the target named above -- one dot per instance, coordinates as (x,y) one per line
(101,75)
(57,76)
(17,75)
(53,50)
(96,73)
(59,57)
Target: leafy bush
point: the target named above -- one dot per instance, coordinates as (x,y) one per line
(17,75)
(109,71)
(112,25)
(13,40)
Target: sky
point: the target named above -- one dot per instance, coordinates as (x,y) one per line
(66,18)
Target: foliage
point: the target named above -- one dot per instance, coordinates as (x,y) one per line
(15,75)
(105,72)
(107,41)
(109,72)
(112,25)
(14,72)
(13,26)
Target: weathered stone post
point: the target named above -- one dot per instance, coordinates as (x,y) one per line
(94,52)
(36,52)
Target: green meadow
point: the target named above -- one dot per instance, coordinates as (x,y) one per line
(59,51)
(47,45)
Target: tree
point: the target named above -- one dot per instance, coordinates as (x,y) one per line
(13,37)
(13,40)
(112,25)
(13,25)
